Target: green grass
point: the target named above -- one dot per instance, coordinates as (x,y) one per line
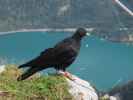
(52,87)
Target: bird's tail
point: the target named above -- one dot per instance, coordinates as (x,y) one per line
(27,74)
(22,66)
(30,63)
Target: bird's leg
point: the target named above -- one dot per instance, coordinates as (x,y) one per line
(66,74)
(57,72)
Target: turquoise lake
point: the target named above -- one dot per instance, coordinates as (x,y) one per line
(103,63)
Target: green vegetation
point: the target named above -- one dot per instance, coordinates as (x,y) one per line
(53,87)
(103,98)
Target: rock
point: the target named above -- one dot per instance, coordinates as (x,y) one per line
(113,98)
(4,93)
(123,92)
(81,90)
(108,97)
(2,68)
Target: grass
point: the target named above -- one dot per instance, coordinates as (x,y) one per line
(52,87)
(103,98)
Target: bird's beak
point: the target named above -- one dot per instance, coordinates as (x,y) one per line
(88,34)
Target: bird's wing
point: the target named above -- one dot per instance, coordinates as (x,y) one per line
(46,55)
(65,51)
(46,51)
(65,42)
(65,54)
(43,58)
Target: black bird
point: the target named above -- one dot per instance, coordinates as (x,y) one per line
(59,57)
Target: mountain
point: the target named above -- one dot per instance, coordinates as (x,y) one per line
(105,15)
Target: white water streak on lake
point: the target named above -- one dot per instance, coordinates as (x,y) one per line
(44,30)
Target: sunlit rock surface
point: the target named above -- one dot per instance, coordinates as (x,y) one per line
(82,90)
(2,68)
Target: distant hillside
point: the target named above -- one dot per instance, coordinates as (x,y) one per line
(27,14)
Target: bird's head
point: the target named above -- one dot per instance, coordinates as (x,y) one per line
(80,32)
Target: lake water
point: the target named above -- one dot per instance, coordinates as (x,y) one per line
(103,63)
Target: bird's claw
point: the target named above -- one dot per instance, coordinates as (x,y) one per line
(67,75)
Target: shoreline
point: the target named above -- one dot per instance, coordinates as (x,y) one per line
(44,30)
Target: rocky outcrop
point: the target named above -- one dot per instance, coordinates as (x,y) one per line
(124,92)
(81,90)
